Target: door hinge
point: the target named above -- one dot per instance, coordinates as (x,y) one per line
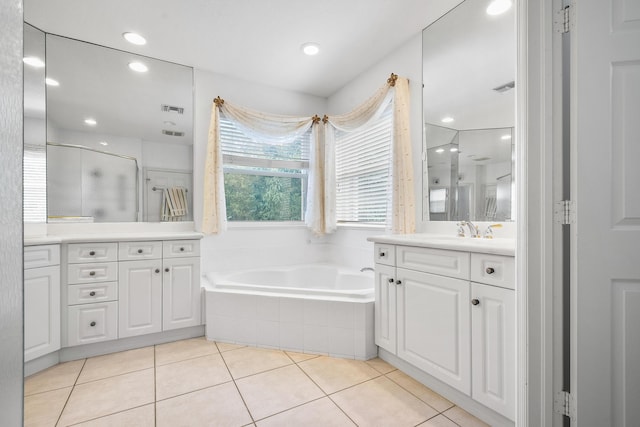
(564,212)
(563,21)
(564,405)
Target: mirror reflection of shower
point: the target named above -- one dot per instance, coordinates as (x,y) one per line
(91,185)
(470,174)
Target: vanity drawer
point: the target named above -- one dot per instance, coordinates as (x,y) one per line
(181,248)
(497,270)
(88,323)
(92,252)
(92,292)
(436,261)
(384,254)
(41,256)
(139,250)
(92,273)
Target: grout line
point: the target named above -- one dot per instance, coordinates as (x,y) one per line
(185,359)
(108,415)
(292,408)
(193,391)
(71,392)
(155,388)
(236,386)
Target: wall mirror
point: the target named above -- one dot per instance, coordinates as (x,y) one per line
(469,65)
(119,133)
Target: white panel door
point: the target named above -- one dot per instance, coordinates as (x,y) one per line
(493,345)
(139,297)
(434,326)
(385,308)
(605,239)
(181,293)
(41,311)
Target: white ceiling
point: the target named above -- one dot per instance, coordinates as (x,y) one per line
(257,41)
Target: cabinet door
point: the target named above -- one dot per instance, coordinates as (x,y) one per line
(434,326)
(41,311)
(89,323)
(493,346)
(385,307)
(181,293)
(139,297)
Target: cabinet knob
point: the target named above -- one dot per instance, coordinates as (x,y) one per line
(92,293)
(166,270)
(390,280)
(92,273)
(157,270)
(475,301)
(181,249)
(398,282)
(92,324)
(382,254)
(139,251)
(92,253)
(490,270)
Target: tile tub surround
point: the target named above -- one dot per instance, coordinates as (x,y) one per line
(240,386)
(327,327)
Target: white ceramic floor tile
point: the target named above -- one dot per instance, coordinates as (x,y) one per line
(96,368)
(143,416)
(59,376)
(439,421)
(463,418)
(250,360)
(422,392)
(44,409)
(185,349)
(333,374)
(321,412)
(189,375)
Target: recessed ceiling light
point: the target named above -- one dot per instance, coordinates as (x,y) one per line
(138,66)
(134,38)
(453,149)
(447,120)
(310,48)
(34,61)
(440,150)
(505,137)
(168,123)
(51,82)
(498,7)
(90,122)
(104,143)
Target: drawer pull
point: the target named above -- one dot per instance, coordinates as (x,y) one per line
(92,273)
(382,254)
(390,280)
(475,301)
(157,270)
(398,282)
(92,293)
(92,253)
(166,269)
(490,270)
(139,251)
(92,324)
(181,249)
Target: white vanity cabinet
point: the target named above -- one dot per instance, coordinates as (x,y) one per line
(451,314)
(41,300)
(181,292)
(90,292)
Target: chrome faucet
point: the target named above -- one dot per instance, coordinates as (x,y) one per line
(363,269)
(473,230)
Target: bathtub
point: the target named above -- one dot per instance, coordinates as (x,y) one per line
(313,308)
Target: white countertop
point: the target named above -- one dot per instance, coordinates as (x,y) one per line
(111,237)
(495,246)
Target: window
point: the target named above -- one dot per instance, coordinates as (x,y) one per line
(264,179)
(363,161)
(35,184)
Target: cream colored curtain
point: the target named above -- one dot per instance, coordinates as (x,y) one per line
(401,203)
(255,124)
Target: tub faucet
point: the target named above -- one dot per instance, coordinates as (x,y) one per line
(363,269)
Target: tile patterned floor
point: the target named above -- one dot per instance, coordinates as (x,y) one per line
(202,383)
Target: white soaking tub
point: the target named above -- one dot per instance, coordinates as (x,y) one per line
(311,308)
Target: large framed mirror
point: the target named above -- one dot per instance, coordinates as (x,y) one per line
(469,65)
(119,135)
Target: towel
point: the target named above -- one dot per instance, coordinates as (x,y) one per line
(174,204)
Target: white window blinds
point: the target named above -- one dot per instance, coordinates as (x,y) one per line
(35,184)
(363,161)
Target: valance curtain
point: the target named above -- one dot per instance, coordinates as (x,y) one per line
(320,215)
(401,200)
(256,125)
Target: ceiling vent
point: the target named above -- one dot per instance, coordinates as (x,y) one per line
(171,109)
(505,87)
(172,132)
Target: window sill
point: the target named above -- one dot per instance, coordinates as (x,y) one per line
(265,225)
